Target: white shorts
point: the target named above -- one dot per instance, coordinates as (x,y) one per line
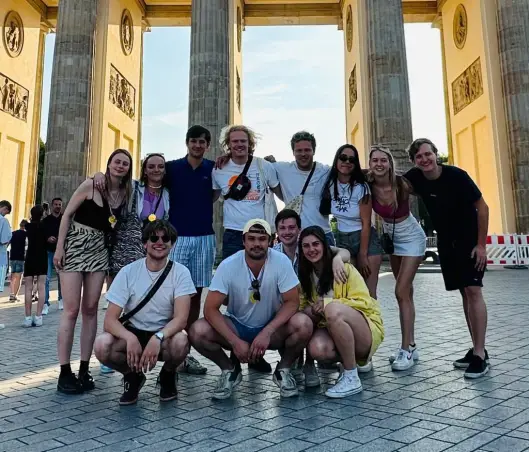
(198,255)
(409,238)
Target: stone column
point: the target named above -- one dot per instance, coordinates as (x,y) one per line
(513,34)
(69,123)
(209,78)
(388,79)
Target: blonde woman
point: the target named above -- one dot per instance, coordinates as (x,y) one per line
(390,199)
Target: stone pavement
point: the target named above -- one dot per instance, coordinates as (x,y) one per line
(429,408)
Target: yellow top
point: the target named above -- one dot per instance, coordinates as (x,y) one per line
(353,293)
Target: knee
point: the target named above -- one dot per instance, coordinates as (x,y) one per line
(179,345)
(301,325)
(89,310)
(102,346)
(199,331)
(321,350)
(71,312)
(333,313)
(472,294)
(402,294)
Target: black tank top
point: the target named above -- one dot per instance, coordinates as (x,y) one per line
(92,215)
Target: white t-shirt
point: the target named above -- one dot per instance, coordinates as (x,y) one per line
(292,180)
(234,279)
(238,213)
(346,209)
(132,283)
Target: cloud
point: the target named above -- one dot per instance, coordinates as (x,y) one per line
(174,118)
(269,90)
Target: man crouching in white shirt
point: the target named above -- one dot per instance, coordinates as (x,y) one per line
(156,332)
(262,313)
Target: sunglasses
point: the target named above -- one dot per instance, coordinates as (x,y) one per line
(256,285)
(155,238)
(345,158)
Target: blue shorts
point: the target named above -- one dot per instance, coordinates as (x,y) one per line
(246,333)
(231,243)
(198,255)
(17,266)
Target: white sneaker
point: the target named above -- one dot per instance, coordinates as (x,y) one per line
(365,369)
(404,360)
(312,378)
(347,384)
(414,350)
(37,320)
(28,322)
(286,382)
(228,380)
(297,373)
(60,304)
(45,309)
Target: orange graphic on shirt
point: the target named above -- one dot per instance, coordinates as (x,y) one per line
(252,195)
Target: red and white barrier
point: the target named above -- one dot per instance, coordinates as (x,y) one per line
(508,249)
(522,249)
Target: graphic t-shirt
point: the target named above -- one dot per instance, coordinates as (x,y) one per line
(238,213)
(292,180)
(132,283)
(346,208)
(234,279)
(449,200)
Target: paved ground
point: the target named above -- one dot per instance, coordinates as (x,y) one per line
(429,408)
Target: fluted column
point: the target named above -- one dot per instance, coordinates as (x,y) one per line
(209,78)
(513,34)
(69,123)
(388,78)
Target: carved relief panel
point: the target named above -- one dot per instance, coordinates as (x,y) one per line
(349,28)
(126,32)
(460,26)
(122,93)
(353,93)
(467,87)
(239,28)
(238,91)
(14,98)
(13,34)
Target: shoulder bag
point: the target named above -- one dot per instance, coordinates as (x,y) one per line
(154,288)
(387,242)
(297,203)
(241,186)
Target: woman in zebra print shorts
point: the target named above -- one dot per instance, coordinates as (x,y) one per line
(82,259)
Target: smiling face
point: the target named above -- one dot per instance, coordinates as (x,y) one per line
(288,231)
(119,166)
(197,147)
(155,170)
(312,248)
(239,143)
(345,162)
(256,244)
(426,159)
(304,154)
(159,249)
(379,163)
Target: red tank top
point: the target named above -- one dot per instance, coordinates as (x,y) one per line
(387,211)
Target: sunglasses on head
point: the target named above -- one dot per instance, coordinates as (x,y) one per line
(256,285)
(155,238)
(346,158)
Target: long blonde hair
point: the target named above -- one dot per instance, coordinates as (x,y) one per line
(225,137)
(396,182)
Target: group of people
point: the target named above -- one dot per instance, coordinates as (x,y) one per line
(312,295)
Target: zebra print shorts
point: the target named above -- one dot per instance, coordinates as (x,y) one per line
(85,250)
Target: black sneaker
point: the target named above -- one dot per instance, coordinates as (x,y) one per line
(132,384)
(87,381)
(464,362)
(69,384)
(167,381)
(477,367)
(261,366)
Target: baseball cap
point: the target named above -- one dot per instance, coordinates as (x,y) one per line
(257,222)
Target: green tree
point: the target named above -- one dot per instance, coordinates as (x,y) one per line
(40,174)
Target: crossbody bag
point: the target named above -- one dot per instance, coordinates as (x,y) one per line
(297,203)
(241,186)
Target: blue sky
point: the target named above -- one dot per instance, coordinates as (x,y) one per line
(293,79)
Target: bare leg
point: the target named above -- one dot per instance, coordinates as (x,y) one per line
(477,315)
(292,338)
(350,333)
(15,283)
(465,310)
(372,281)
(322,347)
(112,352)
(92,285)
(28,289)
(41,288)
(71,291)
(174,351)
(194,311)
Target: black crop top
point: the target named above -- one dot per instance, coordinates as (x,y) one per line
(92,215)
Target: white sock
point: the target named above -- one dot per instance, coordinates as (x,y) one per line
(351,373)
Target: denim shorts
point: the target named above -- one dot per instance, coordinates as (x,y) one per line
(351,242)
(17,266)
(231,243)
(246,333)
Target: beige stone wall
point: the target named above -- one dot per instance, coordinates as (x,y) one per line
(478,127)
(19,138)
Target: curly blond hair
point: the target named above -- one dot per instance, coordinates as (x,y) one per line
(225,137)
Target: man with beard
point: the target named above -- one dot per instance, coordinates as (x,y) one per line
(155,332)
(262,313)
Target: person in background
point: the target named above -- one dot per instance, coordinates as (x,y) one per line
(17,253)
(460,216)
(35,266)
(5,238)
(348,326)
(51,224)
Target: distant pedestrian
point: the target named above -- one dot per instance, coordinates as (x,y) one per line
(17,255)
(5,237)
(51,224)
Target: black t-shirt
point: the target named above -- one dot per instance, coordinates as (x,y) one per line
(18,245)
(51,226)
(450,202)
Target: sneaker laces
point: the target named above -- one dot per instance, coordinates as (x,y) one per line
(191,360)
(288,379)
(401,355)
(223,380)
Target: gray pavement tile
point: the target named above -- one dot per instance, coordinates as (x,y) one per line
(426,444)
(408,434)
(292,445)
(454,434)
(282,434)
(460,412)
(322,435)
(379,445)
(507,443)
(366,434)
(252,444)
(84,446)
(474,442)
(395,422)
(242,434)
(334,445)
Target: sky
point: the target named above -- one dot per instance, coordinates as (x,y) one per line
(293,79)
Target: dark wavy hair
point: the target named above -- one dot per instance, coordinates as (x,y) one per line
(414,147)
(159,226)
(143,175)
(303,136)
(357,178)
(325,282)
(36,212)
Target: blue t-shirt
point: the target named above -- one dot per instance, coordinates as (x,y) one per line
(190,197)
